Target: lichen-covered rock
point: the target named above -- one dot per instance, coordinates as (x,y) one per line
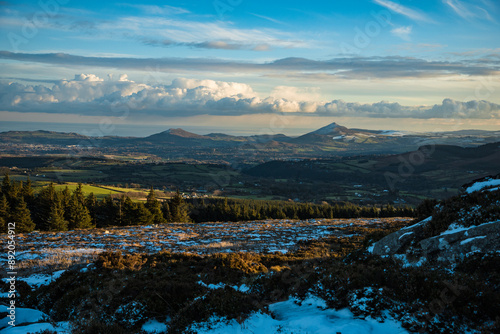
(456,243)
(399,241)
(451,246)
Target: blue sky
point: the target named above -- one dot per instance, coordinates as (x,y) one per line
(421,65)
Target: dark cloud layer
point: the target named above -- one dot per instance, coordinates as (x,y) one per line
(348,68)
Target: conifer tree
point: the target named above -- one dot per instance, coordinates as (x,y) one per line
(15,190)
(78,193)
(4,213)
(65,198)
(178,209)
(21,216)
(27,190)
(4,207)
(79,216)
(107,213)
(29,196)
(6,185)
(3,225)
(165,208)
(56,221)
(142,216)
(43,207)
(91,204)
(154,206)
(127,211)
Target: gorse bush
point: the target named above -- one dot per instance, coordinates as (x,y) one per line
(121,262)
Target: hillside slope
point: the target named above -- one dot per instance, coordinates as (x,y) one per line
(457,228)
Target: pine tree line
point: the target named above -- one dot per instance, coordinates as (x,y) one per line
(242,210)
(52,210)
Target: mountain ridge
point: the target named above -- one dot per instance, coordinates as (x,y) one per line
(177,143)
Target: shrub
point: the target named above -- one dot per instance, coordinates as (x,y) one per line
(115,260)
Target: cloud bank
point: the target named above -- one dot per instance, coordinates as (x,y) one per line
(342,68)
(87,94)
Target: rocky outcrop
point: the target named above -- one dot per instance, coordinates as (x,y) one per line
(399,241)
(451,246)
(456,243)
(463,225)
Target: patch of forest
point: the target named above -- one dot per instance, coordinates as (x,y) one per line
(61,210)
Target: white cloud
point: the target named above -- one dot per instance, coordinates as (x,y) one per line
(165,26)
(172,31)
(468,11)
(160,10)
(268,18)
(296,93)
(89,95)
(201,34)
(400,9)
(402,32)
(88,77)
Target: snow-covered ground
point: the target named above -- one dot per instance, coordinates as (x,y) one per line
(300,317)
(31,321)
(482,185)
(291,316)
(36,280)
(39,248)
(80,246)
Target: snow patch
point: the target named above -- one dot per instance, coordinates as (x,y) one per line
(403,258)
(28,316)
(22,315)
(37,280)
(483,184)
(422,222)
(454,227)
(392,133)
(62,327)
(326,129)
(466,241)
(300,317)
(212,286)
(402,235)
(154,326)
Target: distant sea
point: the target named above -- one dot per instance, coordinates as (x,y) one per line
(130,130)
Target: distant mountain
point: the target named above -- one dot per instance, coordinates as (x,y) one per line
(180,133)
(182,137)
(446,157)
(42,137)
(175,137)
(175,143)
(334,132)
(430,166)
(267,138)
(330,129)
(174,133)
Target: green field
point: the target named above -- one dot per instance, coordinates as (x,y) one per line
(98,191)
